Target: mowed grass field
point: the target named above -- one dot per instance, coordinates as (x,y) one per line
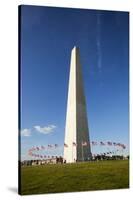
(87,176)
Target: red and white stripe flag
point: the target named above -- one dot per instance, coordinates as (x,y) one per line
(37,148)
(74,144)
(50,146)
(84,143)
(65,145)
(94,143)
(102,143)
(123,146)
(109,143)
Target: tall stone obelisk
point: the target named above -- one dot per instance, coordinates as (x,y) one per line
(77,141)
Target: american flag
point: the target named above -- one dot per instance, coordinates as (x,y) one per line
(109,143)
(123,146)
(42,147)
(84,143)
(74,144)
(65,145)
(114,143)
(37,148)
(102,143)
(94,143)
(49,146)
(118,144)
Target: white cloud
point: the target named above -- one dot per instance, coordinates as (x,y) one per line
(46,129)
(26,132)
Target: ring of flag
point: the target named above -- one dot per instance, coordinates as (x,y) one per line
(32,151)
(101,143)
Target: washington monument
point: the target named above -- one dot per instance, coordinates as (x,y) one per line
(77,141)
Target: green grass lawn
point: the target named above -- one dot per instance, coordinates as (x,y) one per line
(85,176)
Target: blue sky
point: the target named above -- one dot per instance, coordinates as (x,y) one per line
(47,37)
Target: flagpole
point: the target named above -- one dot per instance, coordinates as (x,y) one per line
(82,151)
(91,149)
(72,152)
